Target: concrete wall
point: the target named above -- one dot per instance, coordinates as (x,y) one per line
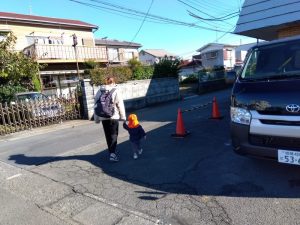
(137,94)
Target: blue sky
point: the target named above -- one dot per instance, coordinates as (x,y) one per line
(180,40)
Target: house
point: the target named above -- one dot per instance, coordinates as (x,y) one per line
(189,67)
(119,52)
(50,41)
(241,52)
(152,56)
(215,55)
(269,20)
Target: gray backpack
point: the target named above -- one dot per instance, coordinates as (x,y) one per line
(104,106)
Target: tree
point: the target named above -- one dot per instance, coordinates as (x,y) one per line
(166,68)
(139,71)
(16,69)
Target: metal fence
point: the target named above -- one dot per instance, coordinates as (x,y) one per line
(28,114)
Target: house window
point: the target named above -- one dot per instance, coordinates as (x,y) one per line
(148,61)
(129,55)
(49,81)
(211,55)
(227,54)
(113,54)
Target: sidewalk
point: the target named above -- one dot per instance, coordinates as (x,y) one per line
(29,198)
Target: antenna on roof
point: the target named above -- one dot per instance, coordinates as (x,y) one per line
(30,8)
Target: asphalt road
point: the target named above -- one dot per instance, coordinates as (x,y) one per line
(194,180)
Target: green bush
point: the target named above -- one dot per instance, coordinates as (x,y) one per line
(190,79)
(134,71)
(214,73)
(121,74)
(143,72)
(166,68)
(7,92)
(140,72)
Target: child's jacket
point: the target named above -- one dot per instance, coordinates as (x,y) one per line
(136,133)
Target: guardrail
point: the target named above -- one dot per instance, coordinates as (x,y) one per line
(29,114)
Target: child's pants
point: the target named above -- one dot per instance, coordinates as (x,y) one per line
(136,146)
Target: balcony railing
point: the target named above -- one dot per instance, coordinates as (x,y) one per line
(42,52)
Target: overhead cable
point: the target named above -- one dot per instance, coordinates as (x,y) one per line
(150,17)
(212,17)
(217,19)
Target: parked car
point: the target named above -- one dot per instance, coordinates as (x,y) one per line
(265,102)
(29,96)
(43,106)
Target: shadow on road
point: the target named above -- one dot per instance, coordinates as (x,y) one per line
(200,164)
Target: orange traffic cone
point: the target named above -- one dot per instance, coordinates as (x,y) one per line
(180,130)
(215,110)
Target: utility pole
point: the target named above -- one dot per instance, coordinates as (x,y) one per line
(75,43)
(106,50)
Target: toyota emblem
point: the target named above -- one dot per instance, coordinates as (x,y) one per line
(293,108)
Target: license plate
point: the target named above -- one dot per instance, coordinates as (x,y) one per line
(289,157)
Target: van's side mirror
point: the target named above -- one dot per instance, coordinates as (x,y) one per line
(230,77)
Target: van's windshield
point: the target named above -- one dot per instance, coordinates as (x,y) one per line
(276,61)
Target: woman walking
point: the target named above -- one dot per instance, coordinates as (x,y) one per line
(109,108)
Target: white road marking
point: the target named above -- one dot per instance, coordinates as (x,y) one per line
(14,176)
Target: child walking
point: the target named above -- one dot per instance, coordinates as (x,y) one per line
(136,133)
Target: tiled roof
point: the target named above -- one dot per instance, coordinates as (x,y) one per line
(44,20)
(116,43)
(189,63)
(158,52)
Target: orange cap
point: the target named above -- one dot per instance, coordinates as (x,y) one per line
(132,121)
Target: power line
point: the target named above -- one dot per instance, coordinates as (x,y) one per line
(202,6)
(131,42)
(227,17)
(143,21)
(213,17)
(228,32)
(150,17)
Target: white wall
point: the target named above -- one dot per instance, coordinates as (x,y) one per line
(230,61)
(146,58)
(211,62)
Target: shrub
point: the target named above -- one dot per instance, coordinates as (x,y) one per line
(143,72)
(166,68)
(7,92)
(190,79)
(99,75)
(140,72)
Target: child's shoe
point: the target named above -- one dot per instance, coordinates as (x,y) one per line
(140,151)
(135,156)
